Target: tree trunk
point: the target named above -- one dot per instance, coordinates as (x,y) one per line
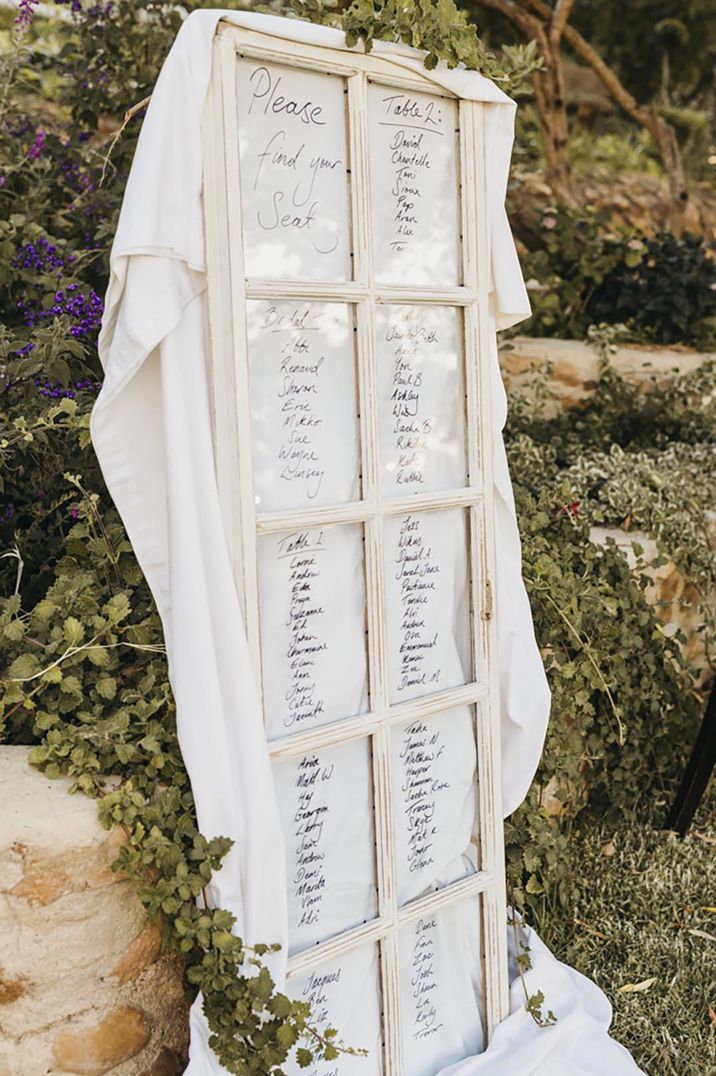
(662,132)
(547,29)
(551,106)
(665,137)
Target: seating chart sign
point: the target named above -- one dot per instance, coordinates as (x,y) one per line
(349,278)
(414,161)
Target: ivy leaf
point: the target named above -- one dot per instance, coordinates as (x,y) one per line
(73,631)
(280,1005)
(533,885)
(106,686)
(117,608)
(71,685)
(24,667)
(14,631)
(99,656)
(286,1035)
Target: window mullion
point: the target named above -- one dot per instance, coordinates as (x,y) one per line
(370,438)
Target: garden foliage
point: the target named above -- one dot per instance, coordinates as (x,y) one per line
(624,702)
(81,649)
(582,272)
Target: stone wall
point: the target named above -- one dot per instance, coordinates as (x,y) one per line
(84,988)
(575,367)
(633,200)
(674,599)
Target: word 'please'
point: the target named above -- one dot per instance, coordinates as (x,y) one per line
(264,89)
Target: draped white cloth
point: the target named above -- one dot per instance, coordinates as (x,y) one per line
(151,432)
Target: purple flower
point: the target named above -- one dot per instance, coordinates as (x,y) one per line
(52,390)
(42,256)
(20,128)
(100,11)
(35,150)
(25,11)
(84,309)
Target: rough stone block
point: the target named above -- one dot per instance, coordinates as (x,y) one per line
(84,987)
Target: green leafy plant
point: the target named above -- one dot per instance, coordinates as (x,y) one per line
(571,251)
(668,296)
(83,666)
(625,705)
(441,29)
(581,271)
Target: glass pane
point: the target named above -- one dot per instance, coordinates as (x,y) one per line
(427,606)
(421,399)
(326,802)
(441,988)
(293,152)
(312,607)
(414,171)
(303,404)
(344,994)
(434,764)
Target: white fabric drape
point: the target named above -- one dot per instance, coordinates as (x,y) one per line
(151,432)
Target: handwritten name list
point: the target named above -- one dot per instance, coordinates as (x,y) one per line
(294,180)
(343,994)
(421,787)
(326,803)
(434,801)
(424,981)
(440,988)
(414,175)
(303,404)
(421,399)
(312,596)
(426,599)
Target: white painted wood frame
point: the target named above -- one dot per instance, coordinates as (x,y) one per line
(228,292)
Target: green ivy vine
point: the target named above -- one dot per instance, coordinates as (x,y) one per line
(441,29)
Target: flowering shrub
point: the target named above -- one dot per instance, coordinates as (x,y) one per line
(581,272)
(668,296)
(571,253)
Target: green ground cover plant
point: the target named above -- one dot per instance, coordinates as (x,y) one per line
(82,657)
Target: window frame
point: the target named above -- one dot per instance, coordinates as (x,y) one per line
(228,372)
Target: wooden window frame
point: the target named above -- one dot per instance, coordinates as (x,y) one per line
(228,293)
